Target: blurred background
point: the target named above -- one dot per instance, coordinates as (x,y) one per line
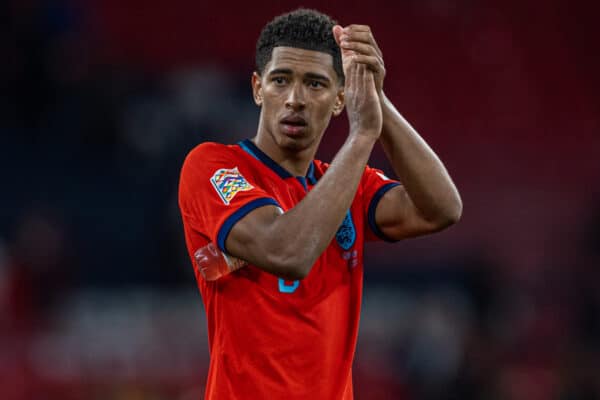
(101,101)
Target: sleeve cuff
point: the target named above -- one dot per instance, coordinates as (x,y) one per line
(373,207)
(239,214)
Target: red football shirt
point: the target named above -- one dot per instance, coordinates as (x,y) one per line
(270,338)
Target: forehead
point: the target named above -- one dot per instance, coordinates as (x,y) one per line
(301,61)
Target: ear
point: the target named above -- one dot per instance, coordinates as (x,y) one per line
(257,88)
(338,106)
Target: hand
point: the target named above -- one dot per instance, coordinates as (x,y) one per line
(362,72)
(362,101)
(358,41)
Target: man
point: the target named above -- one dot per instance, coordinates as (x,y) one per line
(285,326)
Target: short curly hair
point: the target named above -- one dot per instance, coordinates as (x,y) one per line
(302,28)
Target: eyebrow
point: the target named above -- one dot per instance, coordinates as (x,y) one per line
(309,75)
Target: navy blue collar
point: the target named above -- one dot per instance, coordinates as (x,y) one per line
(257,153)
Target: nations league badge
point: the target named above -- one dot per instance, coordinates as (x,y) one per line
(228,182)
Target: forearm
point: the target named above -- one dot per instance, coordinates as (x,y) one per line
(419,169)
(303,233)
(288,244)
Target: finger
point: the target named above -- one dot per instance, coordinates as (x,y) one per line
(372,62)
(337,32)
(347,61)
(351,75)
(359,48)
(369,79)
(357,28)
(363,37)
(346,54)
(360,68)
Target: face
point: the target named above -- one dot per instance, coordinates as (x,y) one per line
(298,93)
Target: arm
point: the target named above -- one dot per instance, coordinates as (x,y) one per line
(288,244)
(427,201)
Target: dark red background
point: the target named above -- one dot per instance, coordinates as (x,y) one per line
(91,252)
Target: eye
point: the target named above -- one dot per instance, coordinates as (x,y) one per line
(316,84)
(278,80)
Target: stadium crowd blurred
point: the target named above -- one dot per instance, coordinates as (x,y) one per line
(102,101)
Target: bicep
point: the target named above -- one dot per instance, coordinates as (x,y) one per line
(250,239)
(397,217)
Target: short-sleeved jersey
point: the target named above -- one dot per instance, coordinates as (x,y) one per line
(270,338)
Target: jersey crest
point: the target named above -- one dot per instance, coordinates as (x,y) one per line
(228,182)
(346,234)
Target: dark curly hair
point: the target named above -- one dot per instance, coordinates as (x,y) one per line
(302,28)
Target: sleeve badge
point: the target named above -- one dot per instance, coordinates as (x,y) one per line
(228,182)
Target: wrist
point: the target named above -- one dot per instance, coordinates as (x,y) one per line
(386,105)
(362,139)
(390,115)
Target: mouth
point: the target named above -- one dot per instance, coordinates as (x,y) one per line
(293,124)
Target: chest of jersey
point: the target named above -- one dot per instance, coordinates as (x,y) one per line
(338,269)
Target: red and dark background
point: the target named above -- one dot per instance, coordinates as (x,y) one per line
(101,100)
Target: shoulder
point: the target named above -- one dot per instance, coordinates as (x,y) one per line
(210,151)
(204,159)
(208,155)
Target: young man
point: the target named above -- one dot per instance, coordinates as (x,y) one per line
(285,326)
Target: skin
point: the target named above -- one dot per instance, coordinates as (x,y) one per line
(303,83)
(428,200)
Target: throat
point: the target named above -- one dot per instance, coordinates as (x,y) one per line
(294,159)
(296,167)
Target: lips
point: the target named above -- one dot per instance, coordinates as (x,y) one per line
(293,125)
(294,120)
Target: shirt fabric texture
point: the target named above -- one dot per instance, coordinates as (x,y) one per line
(270,338)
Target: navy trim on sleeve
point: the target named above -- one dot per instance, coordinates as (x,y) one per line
(239,214)
(373,207)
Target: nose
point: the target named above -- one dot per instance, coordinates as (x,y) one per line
(295,98)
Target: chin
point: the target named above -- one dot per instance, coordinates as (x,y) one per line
(295,144)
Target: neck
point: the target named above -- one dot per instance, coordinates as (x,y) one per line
(295,161)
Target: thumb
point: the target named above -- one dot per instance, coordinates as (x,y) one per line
(337,32)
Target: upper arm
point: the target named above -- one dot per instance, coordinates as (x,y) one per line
(216,191)
(221,202)
(390,212)
(397,217)
(252,239)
